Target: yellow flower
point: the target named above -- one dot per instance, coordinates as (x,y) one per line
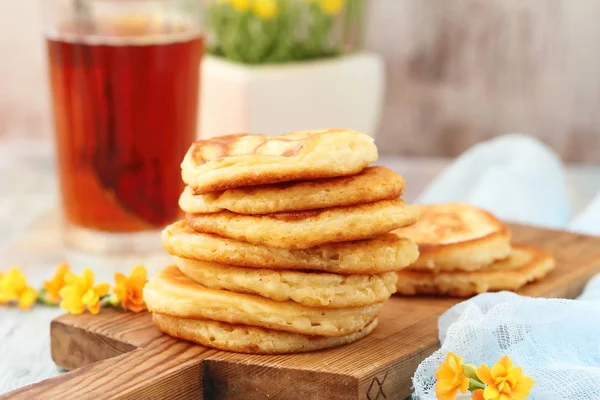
(477,395)
(240,5)
(504,382)
(13,287)
(265,9)
(332,7)
(450,378)
(79,292)
(56,283)
(130,290)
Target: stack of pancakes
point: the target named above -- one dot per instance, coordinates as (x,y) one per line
(286,244)
(466,251)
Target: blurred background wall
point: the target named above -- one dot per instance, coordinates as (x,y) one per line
(24,98)
(457,72)
(460,71)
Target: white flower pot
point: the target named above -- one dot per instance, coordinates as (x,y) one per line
(342,92)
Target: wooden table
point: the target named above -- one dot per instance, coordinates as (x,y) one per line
(30,220)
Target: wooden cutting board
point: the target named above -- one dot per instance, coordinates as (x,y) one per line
(122,355)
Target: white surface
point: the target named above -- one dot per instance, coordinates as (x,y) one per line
(272,99)
(25,349)
(28,190)
(24,337)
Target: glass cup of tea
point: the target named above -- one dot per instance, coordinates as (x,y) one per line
(124,78)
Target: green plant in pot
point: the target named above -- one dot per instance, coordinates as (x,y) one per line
(259,52)
(274,31)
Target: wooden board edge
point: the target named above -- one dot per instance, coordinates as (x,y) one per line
(186,381)
(70,346)
(139,374)
(48,388)
(239,381)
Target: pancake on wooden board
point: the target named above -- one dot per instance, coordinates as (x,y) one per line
(304,229)
(457,236)
(387,252)
(250,339)
(233,161)
(171,293)
(523,265)
(311,289)
(371,184)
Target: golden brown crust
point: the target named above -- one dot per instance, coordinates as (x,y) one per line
(457,236)
(169,292)
(250,339)
(242,144)
(525,264)
(304,229)
(384,253)
(370,185)
(309,288)
(246,160)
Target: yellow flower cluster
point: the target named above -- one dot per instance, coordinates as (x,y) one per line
(501,382)
(53,286)
(268,9)
(14,289)
(265,9)
(332,7)
(75,293)
(80,293)
(240,5)
(130,289)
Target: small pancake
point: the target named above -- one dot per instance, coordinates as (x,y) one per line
(384,253)
(457,236)
(311,289)
(372,184)
(232,161)
(250,339)
(304,229)
(171,293)
(523,265)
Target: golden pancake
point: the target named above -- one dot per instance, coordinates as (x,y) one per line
(311,289)
(250,339)
(384,253)
(304,229)
(372,184)
(171,293)
(232,161)
(457,236)
(523,265)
